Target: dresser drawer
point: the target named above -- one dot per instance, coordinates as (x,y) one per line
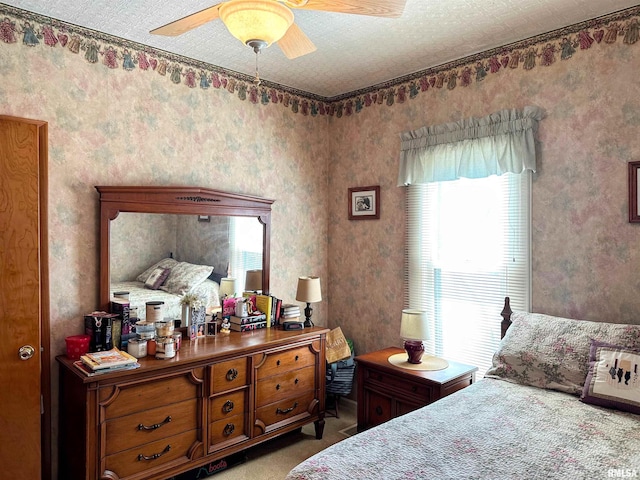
(286,409)
(229,375)
(398,385)
(147,426)
(227,429)
(127,399)
(227,405)
(285,385)
(286,360)
(152,456)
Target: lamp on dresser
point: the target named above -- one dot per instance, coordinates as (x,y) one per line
(308,292)
(253,281)
(227,287)
(415,330)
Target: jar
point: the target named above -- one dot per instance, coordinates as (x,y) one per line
(165,347)
(137,348)
(123,295)
(151,346)
(145,330)
(154,311)
(164,328)
(177,339)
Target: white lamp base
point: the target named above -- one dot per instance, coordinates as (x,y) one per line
(428,362)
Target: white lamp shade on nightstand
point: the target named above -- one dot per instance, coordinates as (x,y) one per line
(253,280)
(414,325)
(227,286)
(309,290)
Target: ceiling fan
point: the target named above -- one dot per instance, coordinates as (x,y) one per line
(258,24)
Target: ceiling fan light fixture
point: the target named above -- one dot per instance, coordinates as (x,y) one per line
(250,21)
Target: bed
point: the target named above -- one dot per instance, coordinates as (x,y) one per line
(167,281)
(561,400)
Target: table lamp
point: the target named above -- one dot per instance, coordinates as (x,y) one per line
(253,281)
(227,287)
(308,292)
(414,329)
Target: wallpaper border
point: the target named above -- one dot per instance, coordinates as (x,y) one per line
(114,52)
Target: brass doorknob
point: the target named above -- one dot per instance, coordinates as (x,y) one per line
(26,352)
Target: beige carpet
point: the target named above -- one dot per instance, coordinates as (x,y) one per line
(273,460)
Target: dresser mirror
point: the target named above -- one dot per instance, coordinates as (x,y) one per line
(140,226)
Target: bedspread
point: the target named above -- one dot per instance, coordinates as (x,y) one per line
(172,309)
(492,429)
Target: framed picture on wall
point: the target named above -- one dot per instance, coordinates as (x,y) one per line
(364,203)
(634,173)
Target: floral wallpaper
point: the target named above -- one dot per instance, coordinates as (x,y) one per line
(132,126)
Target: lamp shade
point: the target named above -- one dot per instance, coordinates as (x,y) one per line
(309,290)
(227,286)
(256,20)
(253,280)
(414,325)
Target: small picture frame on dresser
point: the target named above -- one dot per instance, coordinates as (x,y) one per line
(211,328)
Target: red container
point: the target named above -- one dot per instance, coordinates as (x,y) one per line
(77,345)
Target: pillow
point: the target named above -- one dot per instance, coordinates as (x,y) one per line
(553,352)
(164,263)
(184,276)
(157,278)
(613,377)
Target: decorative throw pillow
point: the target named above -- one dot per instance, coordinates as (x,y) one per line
(184,276)
(553,352)
(613,377)
(157,278)
(164,263)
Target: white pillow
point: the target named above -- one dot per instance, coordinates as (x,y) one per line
(184,276)
(164,263)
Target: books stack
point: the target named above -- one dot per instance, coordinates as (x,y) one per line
(107,361)
(248,323)
(290,313)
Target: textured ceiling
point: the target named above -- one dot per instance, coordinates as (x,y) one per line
(353,51)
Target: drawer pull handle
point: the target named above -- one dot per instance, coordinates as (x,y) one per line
(278,363)
(232,374)
(228,406)
(155,455)
(287,410)
(379,410)
(154,426)
(297,357)
(278,387)
(229,429)
(296,381)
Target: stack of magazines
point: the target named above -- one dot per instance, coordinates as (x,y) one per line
(109,361)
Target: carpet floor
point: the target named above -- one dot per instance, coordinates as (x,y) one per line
(273,460)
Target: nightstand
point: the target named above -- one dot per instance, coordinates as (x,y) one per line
(386,391)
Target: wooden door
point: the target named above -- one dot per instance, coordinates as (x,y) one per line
(23,297)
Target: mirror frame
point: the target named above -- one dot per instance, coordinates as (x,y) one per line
(180,200)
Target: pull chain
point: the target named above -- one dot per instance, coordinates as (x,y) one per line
(256,81)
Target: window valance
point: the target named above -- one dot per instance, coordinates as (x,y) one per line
(471,148)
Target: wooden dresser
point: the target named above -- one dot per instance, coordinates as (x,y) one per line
(218,396)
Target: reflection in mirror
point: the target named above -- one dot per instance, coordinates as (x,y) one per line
(186,244)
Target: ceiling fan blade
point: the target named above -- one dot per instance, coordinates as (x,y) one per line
(187,23)
(295,43)
(376,8)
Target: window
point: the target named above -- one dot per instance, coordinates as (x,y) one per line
(245,238)
(468,248)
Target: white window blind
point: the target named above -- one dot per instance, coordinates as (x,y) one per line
(468,246)
(245,245)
